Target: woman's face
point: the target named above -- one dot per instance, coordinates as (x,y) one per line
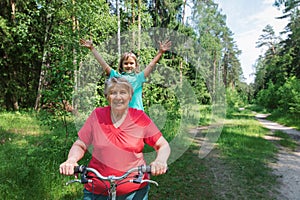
(129,65)
(119,97)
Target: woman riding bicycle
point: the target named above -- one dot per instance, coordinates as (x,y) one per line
(117,135)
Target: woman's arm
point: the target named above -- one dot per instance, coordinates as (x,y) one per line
(101,61)
(159,165)
(163,47)
(77,151)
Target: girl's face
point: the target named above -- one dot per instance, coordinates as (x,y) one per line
(129,65)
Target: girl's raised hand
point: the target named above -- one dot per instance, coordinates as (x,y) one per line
(165,45)
(86,43)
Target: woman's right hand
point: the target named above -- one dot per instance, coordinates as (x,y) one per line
(87,43)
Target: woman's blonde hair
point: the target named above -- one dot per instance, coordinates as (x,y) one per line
(125,56)
(112,82)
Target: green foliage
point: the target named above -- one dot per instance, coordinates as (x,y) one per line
(257,108)
(267,97)
(63,55)
(47,55)
(289,95)
(234,100)
(285,98)
(21,53)
(277,71)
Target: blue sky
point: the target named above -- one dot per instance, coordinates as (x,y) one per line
(246,19)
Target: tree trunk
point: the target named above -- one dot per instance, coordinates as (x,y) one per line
(11,101)
(13,9)
(133,23)
(225,74)
(40,86)
(214,78)
(75,27)
(15,103)
(183,11)
(180,71)
(119,27)
(43,67)
(139,25)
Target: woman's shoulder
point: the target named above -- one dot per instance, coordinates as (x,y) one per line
(139,116)
(135,111)
(102,110)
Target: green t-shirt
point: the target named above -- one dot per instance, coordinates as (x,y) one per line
(136,80)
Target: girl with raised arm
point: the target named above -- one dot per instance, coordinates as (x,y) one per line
(128,68)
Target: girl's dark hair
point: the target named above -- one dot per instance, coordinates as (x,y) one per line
(125,56)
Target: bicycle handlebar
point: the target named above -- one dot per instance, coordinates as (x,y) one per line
(141,169)
(138,179)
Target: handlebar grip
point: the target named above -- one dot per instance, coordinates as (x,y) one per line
(145,168)
(79,169)
(148,169)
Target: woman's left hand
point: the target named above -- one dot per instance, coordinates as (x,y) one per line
(158,168)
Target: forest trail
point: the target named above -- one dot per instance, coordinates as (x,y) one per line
(287,167)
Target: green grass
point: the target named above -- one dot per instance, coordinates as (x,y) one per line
(243,147)
(286,140)
(30,156)
(285,119)
(187,178)
(236,169)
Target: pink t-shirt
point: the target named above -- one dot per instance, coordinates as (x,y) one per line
(116,150)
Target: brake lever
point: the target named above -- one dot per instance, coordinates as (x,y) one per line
(79,181)
(150,181)
(73,181)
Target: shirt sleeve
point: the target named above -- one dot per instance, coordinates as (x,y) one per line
(86,132)
(114,73)
(153,139)
(152,133)
(141,77)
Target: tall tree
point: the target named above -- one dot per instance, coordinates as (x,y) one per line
(292,43)
(47,25)
(270,42)
(268,39)
(208,24)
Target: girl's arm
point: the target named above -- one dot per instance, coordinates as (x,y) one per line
(159,165)
(163,47)
(77,151)
(101,61)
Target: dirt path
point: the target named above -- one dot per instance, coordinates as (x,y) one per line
(287,166)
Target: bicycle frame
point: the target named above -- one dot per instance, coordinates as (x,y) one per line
(112,190)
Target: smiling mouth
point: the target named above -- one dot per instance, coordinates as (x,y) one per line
(119,103)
